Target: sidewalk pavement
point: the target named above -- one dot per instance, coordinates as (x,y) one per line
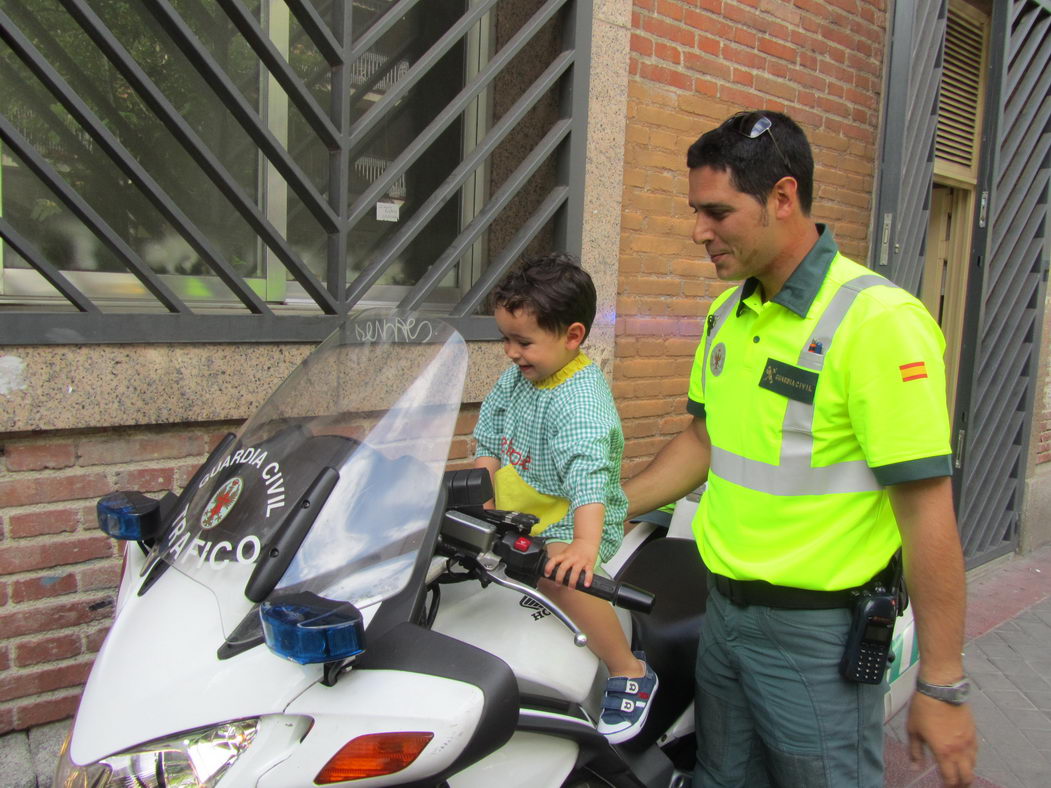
(1008,657)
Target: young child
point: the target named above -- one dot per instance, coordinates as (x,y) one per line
(550,436)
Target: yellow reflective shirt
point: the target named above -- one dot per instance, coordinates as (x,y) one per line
(814,402)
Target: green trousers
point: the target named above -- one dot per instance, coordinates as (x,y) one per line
(772,709)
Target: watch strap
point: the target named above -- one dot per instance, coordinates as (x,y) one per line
(956,693)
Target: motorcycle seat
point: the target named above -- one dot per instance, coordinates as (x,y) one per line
(672,570)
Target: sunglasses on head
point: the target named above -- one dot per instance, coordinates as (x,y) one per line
(755,124)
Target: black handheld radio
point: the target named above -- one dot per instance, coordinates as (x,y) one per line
(867,651)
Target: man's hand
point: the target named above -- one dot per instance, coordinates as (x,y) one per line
(949,733)
(573,559)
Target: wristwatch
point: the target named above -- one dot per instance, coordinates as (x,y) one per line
(956,693)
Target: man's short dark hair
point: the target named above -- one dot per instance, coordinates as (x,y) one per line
(756,160)
(553,287)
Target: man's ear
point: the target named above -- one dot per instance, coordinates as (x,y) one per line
(786,197)
(575,335)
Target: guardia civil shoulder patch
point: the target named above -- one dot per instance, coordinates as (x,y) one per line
(914,371)
(718,358)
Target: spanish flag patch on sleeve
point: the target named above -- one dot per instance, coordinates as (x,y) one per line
(914,371)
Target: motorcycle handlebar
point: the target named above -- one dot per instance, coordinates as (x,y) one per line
(620,594)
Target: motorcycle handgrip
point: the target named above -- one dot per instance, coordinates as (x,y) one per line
(620,594)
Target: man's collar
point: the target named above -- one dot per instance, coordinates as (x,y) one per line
(800,289)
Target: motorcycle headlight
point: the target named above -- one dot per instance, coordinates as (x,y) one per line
(196,759)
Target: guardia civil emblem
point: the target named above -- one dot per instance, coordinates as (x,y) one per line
(718,358)
(221,504)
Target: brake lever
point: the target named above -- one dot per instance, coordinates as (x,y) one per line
(499,576)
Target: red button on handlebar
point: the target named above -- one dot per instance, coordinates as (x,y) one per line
(522,543)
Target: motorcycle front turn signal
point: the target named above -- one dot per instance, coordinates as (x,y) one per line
(310,629)
(373,755)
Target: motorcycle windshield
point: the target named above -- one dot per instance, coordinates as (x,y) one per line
(350,450)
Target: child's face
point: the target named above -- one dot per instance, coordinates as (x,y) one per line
(539,353)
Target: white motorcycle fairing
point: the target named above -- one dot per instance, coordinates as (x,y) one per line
(157,673)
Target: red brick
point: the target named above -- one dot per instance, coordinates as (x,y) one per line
(110,450)
(50,521)
(41,712)
(667,52)
(776,48)
(668,31)
(458,449)
(93,640)
(5,658)
(666,76)
(7,720)
(641,44)
(100,575)
(30,619)
(44,554)
(50,649)
(38,456)
(49,489)
(670,10)
(147,479)
(642,408)
(24,683)
(35,588)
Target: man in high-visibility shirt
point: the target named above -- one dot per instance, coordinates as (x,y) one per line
(820,425)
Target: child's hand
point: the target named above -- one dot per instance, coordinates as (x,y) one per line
(571,560)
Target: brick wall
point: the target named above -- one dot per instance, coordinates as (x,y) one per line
(59,573)
(693,63)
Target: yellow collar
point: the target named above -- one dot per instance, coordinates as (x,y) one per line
(564,374)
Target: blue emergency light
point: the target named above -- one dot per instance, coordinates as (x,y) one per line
(129,515)
(310,629)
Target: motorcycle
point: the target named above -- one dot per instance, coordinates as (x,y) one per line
(324,603)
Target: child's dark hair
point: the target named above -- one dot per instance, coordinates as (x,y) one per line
(553,287)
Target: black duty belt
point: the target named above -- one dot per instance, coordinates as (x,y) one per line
(760,592)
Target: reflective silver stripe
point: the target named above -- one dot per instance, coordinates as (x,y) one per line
(720,316)
(794,474)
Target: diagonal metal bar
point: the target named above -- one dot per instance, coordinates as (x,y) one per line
(130,167)
(448,187)
(441,122)
(396,94)
(201,154)
(282,72)
(511,252)
(83,211)
(507,192)
(57,279)
(327,44)
(391,17)
(369,84)
(216,78)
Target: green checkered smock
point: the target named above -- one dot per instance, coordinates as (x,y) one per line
(563,436)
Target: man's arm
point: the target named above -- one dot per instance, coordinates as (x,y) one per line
(679,468)
(935,576)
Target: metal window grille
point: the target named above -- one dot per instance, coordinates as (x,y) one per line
(253,170)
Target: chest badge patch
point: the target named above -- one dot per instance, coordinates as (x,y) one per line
(221,504)
(789,381)
(718,359)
